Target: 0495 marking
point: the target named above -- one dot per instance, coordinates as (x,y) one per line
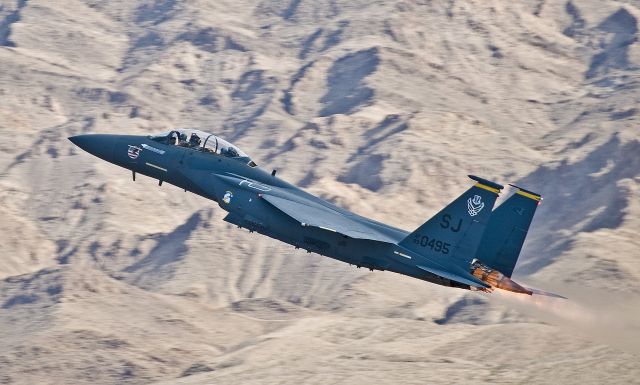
(434,244)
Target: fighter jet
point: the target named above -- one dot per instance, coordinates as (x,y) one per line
(466,245)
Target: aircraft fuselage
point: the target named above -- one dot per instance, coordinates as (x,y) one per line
(238,189)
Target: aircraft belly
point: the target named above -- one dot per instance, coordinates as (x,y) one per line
(248,209)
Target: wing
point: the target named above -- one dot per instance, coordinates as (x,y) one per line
(327,219)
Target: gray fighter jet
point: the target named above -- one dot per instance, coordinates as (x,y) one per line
(465,245)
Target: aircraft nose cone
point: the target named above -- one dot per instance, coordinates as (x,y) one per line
(100,145)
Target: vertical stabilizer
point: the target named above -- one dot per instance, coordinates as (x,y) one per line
(454,234)
(506,231)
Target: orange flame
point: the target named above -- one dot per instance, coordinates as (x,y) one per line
(498,280)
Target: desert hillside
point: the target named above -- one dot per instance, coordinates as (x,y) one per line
(381,107)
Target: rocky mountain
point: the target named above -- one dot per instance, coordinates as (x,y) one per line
(380,107)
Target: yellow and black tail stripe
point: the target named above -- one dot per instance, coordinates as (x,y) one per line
(527,194)
(486,184)
(488,188)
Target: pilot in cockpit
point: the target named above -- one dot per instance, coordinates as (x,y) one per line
(182,139)
(202,142)
(194,140)
(230,152)
(174,138)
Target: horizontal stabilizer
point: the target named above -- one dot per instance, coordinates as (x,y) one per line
(468,280)
(546,293)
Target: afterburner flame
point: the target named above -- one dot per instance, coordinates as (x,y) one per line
(496,279)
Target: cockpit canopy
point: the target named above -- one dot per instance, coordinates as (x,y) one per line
(202,141)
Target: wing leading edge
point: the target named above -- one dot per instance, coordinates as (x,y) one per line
(326,219)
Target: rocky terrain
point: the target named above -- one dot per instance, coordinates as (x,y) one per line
(379,107)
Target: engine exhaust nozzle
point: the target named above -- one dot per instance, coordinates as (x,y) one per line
(496,279)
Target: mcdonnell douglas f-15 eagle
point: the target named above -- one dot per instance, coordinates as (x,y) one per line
(467,245)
